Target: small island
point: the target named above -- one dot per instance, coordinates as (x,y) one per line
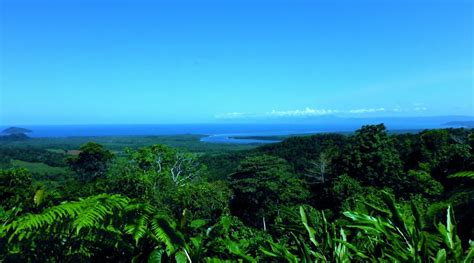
(14,134)
(16,130)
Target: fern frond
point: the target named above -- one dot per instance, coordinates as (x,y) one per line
(165,231)
(463,174)
(83,213)
(96,210)
(139,228)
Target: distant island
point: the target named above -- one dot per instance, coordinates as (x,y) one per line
(16,130)
(14,134)
(465,124)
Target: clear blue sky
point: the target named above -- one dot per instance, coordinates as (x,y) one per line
(103,61)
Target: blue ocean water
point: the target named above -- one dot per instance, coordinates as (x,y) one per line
(220,133)
(170,129)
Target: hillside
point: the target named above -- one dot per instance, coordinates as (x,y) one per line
(15,130)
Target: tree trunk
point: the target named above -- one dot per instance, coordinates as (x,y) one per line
(264,224)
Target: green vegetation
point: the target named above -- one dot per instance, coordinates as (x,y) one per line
(284,137)
(369,196)
(190,143)
(39,168)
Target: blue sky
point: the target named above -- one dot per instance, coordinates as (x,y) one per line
(87,62)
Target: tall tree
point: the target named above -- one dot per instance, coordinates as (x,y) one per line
(318,172)
(92,162)
(262,184)
(153,173)
(372,158)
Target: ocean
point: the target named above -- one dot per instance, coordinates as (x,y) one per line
(220,133)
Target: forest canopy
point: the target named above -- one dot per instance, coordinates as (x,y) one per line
(367,196)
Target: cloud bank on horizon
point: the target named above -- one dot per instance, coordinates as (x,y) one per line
(316,112)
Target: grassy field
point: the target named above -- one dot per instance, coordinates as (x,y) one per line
(39,168)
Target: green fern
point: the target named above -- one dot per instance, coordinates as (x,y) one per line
(84,213)
(165,231)
(156,256)
(463,174)
(97,209)
(78,226)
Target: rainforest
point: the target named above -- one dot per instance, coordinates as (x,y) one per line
(194,131)
(355,197)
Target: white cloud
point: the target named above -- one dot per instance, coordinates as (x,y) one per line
(370,110)
(320,112)
(302,113)
(231,115)
(420,109)
(308,112)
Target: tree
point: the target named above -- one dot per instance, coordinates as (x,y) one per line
(452,159)
(154,174)
(202,200)
(433,142)
(15,187)
(92,162)
(300,150)
(345,190)
(180,167)
(372,158)
(261,184)
(319,169)
(420,182)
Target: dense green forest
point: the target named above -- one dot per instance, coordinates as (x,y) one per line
(188,142)
(364,197)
